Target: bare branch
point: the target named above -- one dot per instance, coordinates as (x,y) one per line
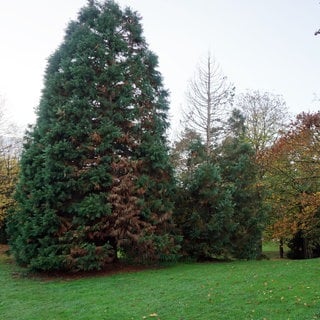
(209,97)
(265,114)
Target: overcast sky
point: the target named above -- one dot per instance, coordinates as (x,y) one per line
(266,45)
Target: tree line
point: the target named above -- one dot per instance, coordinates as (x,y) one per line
(98,179)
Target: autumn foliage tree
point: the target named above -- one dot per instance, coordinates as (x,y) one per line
(95,175)
(293,170)
(9,166)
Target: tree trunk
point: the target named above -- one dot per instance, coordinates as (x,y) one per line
(281,251)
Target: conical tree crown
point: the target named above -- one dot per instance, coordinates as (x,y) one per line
(95,176)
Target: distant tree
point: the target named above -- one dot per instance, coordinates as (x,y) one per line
(95,174)
(209,95)
(9,166)
(265,114)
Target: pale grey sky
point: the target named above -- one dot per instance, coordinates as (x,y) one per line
(266,45)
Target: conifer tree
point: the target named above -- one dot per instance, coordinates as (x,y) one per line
(240,172)
(204,213)
(95,176)
(204,207)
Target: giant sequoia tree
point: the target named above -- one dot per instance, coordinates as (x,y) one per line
(95,176)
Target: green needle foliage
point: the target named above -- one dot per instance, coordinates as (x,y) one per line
(219,206)
(204,207)
(95,177)
(240,172)
(207,217)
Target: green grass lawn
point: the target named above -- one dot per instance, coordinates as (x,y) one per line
(268,289)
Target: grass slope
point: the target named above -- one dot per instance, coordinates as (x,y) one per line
(269,289)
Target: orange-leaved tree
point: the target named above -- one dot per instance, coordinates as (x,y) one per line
(293,173)
(8,176)
(9,151)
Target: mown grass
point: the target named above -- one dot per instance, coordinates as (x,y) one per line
(268,289)
(271,250)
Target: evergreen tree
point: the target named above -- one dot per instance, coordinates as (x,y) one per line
(204,213)
(95,175)
(204,206)
(240,171)
(186,154)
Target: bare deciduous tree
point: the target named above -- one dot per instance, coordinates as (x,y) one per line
(265,114)
(209,93)
(10,134)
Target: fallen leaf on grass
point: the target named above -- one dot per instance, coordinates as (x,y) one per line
(151,315)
